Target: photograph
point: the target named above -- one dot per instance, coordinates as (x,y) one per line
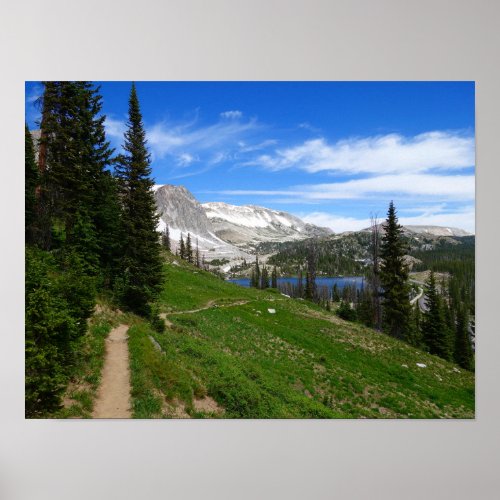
(249,250)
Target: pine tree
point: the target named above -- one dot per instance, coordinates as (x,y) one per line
(335,293)
(253,281)
(197,255)
(300,284)
(394,278)
(189,249)
(256,273)
(31,182)
(142,261)
(264,279)
(414,336)
(73,160)
(182,248)
(274,278)
(310,290)
(374,276)
(165,239)
(434,331)
(463,354)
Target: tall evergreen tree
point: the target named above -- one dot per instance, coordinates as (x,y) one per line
(108,223)
(182,248)
(73,160)
(31,182)
(142,261)
(197,255)
(264,278)
(414,336)
(374,275)
(310,290)
(189,249)
(335,293)
(434,331)
(300,284)
(463,354)
(165,239)
(394,278)
(274,278)
(256,273)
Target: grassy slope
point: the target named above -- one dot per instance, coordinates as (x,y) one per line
(299,362)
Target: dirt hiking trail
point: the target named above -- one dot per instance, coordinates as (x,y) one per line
(113,396)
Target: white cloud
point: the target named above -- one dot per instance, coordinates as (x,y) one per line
(165,139)
(232,115)
(336,223)
(433,188)
(115,129)
(248,148)
(462,218)
(185,159)
(387,154)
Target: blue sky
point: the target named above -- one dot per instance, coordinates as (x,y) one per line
(333,153)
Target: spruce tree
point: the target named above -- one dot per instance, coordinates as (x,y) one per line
(31,182)
(182,248)
(463,354)
(434,331)
(165,239)
(264,279)
(335,293)
(142,265)
(253,280)
(394,278)
(197,255)
(310,290)
(109,229)
(257,272)
(189,249)
(274,278)
(300,284)
(73,159)
(414,336)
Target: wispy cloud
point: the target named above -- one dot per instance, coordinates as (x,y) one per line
(434,187)
(188,142)
(185,159)
(231,115)
(115,129)
(431,186)
(248,148)
(462,217)
(165,139)
(336,223)
(386,154)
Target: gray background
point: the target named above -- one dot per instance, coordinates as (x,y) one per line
(248,40)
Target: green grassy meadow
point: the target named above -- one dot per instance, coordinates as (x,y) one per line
(235,359)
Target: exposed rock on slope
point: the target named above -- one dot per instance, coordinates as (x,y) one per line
(180,210)
(248,225)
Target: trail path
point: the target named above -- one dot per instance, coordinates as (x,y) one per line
(209,305)
(113,397)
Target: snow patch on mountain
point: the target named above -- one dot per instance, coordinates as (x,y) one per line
(248,225)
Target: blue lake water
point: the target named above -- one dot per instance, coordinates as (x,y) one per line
(341,282)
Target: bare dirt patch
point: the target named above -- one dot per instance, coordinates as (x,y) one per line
(207,405)
(113,396)
(175,409)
